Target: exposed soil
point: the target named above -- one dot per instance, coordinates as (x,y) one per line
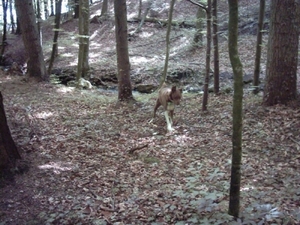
(92,160)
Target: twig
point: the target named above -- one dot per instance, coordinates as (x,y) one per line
(132,150)
(295,141)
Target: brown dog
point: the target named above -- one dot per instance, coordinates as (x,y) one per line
(168,98)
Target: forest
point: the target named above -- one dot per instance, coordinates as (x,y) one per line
(83,141)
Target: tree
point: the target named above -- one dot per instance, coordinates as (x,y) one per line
(282,53)
(216,47)
(83,54)
(258,46)
(56,31)
(198,37)
(36,64)
(4,8)
(208,51)
(237,112)
(8,150)
(104,9)
(76,9)
(46,12)
(124,83)
(12,21)
(52,7)
(167,44)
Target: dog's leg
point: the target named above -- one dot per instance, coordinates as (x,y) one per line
(156,107)
(169,123)
(171,112)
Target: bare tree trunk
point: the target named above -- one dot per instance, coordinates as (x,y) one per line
(4,8)
(216,47)
(208,52)
(164,76)
(237,112)
(36,63)
(46,13)
(282,56)
(258,46)
(124,83)
(198,38)
(54,52)
(8,149)
(12,21)
(83,54)
(104,9)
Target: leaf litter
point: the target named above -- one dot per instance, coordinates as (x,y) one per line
(92,161)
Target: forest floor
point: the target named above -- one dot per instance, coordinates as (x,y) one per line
(94,160)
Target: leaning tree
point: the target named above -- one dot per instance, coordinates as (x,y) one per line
(8,150)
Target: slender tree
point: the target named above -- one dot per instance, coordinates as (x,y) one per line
(124,83)
(208,52)
(54,52)
(52,8)
(282,56)
(9,153)
(46,11)
(76,9)
(216,46)
(104,8)
(167,44)
(4,9)
(36,64)
(258,46)
(198,37)
(12,20)
(237,114)
(83,54)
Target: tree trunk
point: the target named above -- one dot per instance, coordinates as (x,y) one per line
(4,8)
(282,57)
(46,14)
(12,20)
(167,44)
(208,51)
(237,115)
(52,8)
(26,16)
(83,54)
(8,150)
(258,46)
(104,8)
(216,47)
(198,38)
(54,52)
(76,9)
(124,83)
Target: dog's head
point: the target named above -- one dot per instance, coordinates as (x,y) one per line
(175,95)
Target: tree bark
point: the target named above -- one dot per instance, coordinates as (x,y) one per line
(216,47)
(36,64)
(164,76)
(8,150)
(104,8)
(54,52)
(282,56)
(83,54)
(208,52)
(124,83)
(237,114)
(258,46)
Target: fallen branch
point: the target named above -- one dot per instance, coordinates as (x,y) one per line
(131,151)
